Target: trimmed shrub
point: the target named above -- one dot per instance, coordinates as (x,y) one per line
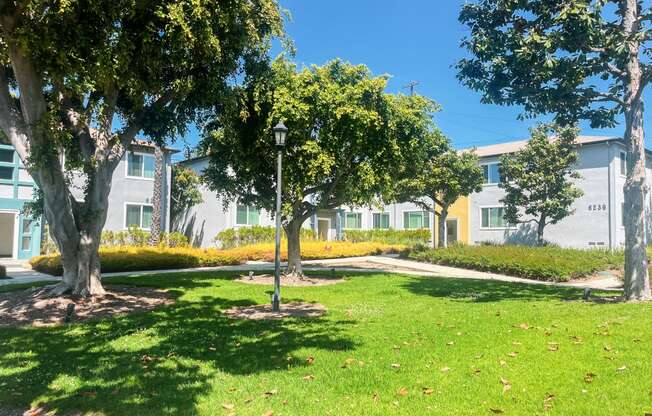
(256,234)
(548,263)
(128,259)
(3,272)
(389,236)
(135,237)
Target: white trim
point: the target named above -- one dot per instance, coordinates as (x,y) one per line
(142,178)
(16,214)
(328,231)
(493,228)
(430,219)
(488,164)
(124,218)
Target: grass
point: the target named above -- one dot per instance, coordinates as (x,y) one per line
(390,344)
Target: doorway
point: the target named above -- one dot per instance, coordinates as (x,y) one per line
(451,231)
(8,234)
(323,229)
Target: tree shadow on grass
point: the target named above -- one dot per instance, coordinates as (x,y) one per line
(159,362)
(474,290)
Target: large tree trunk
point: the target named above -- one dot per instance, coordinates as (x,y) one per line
(637,283)
(443,240)
(157,197)
(293,233)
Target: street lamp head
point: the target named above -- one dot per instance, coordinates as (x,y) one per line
(280,133)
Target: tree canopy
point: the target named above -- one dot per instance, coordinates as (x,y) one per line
(579,60)
(538,179)
(346,138)
(85,77)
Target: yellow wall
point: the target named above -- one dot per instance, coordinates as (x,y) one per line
(460,211)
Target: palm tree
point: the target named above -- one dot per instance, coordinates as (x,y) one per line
(157,197)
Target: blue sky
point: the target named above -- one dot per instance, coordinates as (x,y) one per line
(409,40)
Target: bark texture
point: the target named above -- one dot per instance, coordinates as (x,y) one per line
(443,237)
(293,233)
(157,198)
(637,283)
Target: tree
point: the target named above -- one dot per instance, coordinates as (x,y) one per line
(185,191)
(538,179)
(346,135)
(72,71)
(578,60)
(437,182)
(157,197)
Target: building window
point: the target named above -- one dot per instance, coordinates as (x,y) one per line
(6,155)
(381,220)
(493,217)
(247,215)
(139,216)
(140,165)
(491,173)
(6,173)
(416,219)
(623,163)
(26,235)
(352,220)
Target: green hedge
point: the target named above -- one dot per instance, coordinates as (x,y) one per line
(139,238)
(257,234)
(390,236)
(540,263)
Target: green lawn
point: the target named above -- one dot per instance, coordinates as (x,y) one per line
(388,345)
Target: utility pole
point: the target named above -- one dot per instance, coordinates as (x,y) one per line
(411,86)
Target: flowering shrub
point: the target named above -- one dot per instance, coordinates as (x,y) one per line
(131,258)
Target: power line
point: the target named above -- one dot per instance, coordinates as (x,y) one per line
(410,85)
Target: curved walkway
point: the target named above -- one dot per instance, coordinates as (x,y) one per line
(385,264)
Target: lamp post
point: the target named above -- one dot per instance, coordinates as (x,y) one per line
(280,133)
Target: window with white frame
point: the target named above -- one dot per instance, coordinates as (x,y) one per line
(381,220)
(352,220)
(491,173)
(26,235)
(247,215)
(140,165)
(623,163)
(494,217)
(139,216)
(413,220)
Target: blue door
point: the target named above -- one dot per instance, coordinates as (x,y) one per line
(29,238)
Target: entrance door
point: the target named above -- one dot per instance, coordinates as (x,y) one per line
(451,231)
(323,228)
(7,234)
(26,238)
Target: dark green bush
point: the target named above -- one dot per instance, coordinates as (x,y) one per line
(389,236)
(257,234)
(540,263)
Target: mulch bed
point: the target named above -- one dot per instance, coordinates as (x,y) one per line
(288,310)
(290,280)
(34,307)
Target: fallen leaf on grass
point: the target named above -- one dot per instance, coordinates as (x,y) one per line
(310,360)
(588,377)
(395,365)
(506,384)
(270,393)
(623,368)
(513,354)
(347,363)
(268,413)
(547,402)
(450,343)
(402,392)
(228,406)
(523,326)
(496,411)
(607,348)
(553,346)
(445,369)
(428,390)
(376,397)
(309,377)
(503,363)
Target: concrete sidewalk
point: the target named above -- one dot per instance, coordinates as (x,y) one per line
(383,264)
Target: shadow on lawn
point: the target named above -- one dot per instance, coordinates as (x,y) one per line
(161,372)
(472,290)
